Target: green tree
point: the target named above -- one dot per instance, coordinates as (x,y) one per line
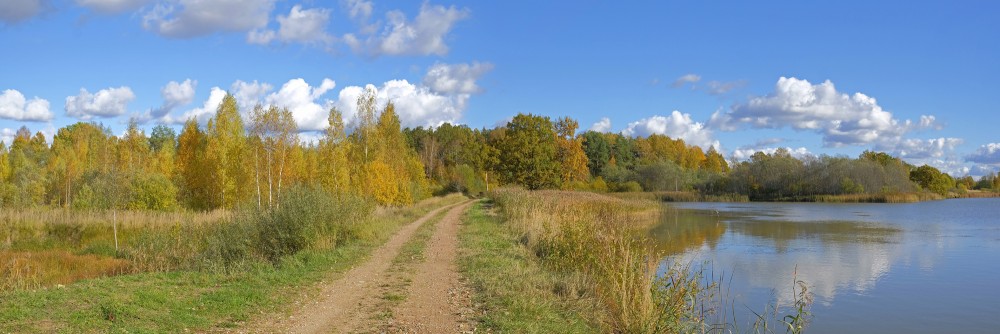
(527,153)
(598,151)
(932,179)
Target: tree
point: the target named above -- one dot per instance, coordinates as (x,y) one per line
(573,161)
(163,143)
(333,149)
(527,152)
(194,180)
(598,151)
(226,148)
(714,162)
(932,179)
(273,131)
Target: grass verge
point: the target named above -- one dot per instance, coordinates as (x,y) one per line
(193,300)
(512,290)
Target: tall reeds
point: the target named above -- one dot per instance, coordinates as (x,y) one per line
(601,238)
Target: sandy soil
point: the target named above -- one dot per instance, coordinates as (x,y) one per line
(436,297)
(438,301)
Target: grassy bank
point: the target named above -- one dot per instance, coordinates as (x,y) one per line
(199,297)
(513,291)
(552,261)
(598,248)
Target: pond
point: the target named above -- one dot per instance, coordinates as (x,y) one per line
(929,267)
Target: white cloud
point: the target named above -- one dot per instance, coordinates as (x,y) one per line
(14,106)
(201,114)
(300,98)
(842,119)
(744,153)
(930,122)
(677,125)
(686,79)
(306,26)
(723,87)
(982,170)
(249,94)
(456,78)
(175,94)
(358,9)
(425,35)
(916,149)
(604,125)
(112,6)
(952,167)
(109,102)
(415,105)
(986,154)
(193,18)
(14,11)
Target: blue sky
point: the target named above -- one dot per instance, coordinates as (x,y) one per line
(914,79)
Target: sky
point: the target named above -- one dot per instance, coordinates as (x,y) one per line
(917,79)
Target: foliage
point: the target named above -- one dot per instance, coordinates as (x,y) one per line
(932,179)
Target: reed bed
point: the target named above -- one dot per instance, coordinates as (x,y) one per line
(912,197)
(602,239)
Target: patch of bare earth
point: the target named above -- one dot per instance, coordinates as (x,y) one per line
(437,301)
(341,305)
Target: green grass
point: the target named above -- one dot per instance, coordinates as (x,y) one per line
(514,293)
(192,300)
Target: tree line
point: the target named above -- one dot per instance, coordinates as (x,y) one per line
(228,163)
(234,161)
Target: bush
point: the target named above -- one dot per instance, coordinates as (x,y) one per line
(302,218)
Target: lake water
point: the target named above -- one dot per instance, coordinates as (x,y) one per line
(930,267)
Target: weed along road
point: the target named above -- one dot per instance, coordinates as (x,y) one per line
(352,302)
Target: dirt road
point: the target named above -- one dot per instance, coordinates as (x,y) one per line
(343,305)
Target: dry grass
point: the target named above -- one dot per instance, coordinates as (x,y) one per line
(878,198)
(31,270)
(601,238)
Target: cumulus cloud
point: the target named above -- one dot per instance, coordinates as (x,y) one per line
(203,113)
(359,10)
(841,119)
(109,102)
(916,149)
(676,125)
(14,106)
(112,6)
(686,79)
(744,153)
(300,98)
(986,154)
(604,125)
(175,94)
(193,18)
(415,105)
(306,26)
(456,78)
(249,94)
(14,11)
(425,35)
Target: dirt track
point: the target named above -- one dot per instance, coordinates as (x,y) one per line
(435,296)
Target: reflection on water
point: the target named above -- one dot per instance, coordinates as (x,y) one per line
(871,267)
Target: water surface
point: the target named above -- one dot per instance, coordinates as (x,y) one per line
(930,267)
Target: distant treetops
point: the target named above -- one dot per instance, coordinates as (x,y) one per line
(232,162)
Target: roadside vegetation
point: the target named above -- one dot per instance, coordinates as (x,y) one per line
(555,261)
(214,290)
